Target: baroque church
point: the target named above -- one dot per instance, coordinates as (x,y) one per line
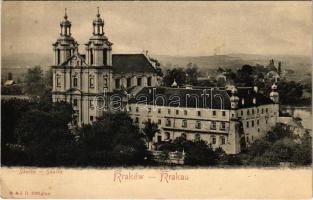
(81,78)
(230,118)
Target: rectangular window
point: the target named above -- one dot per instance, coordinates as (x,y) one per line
(177,112)
(91,82)
(213,125)
(198,124)
(184,123)
(258,110)
(75,102)
(241,113)
(91,118)
(159,122)
(159,110)
(139,81)
(149,80)
(168,122)
(75,82)
(213,140)
(137,109)
(266,110)
(117,83)
(149,110)
(214,113)
(169,111)
(199,113)
(223,126)
(257,122)
(252,123)
(248,112)
(91,103)
(104,57)
(247,125)
(185,112)
(129,108)
(136,120)
(223,140)
(129,82)
(223,113)
(262,110)
(252,111)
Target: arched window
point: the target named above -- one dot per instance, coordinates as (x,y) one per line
(75,81)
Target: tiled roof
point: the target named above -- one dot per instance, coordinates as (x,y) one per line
(180,97)
(128,63)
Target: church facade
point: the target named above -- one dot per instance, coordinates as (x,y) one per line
(81,78)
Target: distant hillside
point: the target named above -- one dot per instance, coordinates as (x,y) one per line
(18,64)
(235,61)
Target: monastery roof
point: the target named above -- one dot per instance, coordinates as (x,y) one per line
(128,63)
(215,98)
(181,97)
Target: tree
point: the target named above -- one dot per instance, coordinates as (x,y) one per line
(197,152)
(48,78)
(192,73)
(176,74)
(44,135)
(112,140)
(34,82)
(149,131)
(245,75)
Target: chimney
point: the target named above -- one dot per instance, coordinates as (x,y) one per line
(254,100)
(255,89)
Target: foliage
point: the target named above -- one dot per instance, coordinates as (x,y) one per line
(280,146)
(197,152)
(35,133)
(177,74)
(113,140)
(192,72)
(149,131)
(34,82)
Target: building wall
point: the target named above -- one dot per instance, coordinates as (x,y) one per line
(257,121)
(228,138)
(217,137)
(133,79)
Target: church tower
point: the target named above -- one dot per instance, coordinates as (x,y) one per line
(65,46)
(99,48)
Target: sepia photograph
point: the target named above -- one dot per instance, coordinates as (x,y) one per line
(156,94)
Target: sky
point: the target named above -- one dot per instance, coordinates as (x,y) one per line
(164,28)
